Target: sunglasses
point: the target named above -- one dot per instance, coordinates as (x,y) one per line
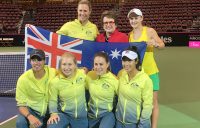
(110,22)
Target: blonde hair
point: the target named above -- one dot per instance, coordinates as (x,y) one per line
(66,55)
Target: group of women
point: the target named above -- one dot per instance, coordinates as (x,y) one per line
(133,87)
(136,90)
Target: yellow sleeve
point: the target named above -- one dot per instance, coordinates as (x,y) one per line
(116,86)
(120,73)
(53,97)
(116,83)
(64,29)
(21,93)
(91,75)
(147,105)
(87,82)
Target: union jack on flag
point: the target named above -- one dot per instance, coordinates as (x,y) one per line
(55,45)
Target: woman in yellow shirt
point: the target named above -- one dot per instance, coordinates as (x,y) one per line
(135,98)
(102,86)
(67,92)
(142,33)
(81,27)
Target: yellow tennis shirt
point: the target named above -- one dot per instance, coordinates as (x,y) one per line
(148,63)
(75,29)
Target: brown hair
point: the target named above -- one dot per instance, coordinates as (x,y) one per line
(138,59)
(109,14)
(87,3)
(105,56)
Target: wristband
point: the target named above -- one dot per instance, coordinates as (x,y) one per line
(28,115)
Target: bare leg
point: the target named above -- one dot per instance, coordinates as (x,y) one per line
(155,112)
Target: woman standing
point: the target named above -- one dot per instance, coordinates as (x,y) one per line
(111,33)
(142,33)
(135,96)
(81,27)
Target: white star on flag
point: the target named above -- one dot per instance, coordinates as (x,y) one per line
(115,54)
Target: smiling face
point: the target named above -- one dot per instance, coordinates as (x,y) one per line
(68,66)
(37,65)
(83,13)
(109,25)
(136,21)
(100,65)
(129,65)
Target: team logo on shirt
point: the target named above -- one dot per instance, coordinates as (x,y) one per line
(79,80)
(134,85)
(105,86)
(88,33)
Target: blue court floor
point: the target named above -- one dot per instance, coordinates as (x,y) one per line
(8,108)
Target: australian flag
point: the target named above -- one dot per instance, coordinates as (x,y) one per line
(55,45)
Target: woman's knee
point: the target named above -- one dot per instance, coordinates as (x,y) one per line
(22,122)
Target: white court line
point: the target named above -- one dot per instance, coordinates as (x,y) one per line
(8,120)
(10,90)
(12,53)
